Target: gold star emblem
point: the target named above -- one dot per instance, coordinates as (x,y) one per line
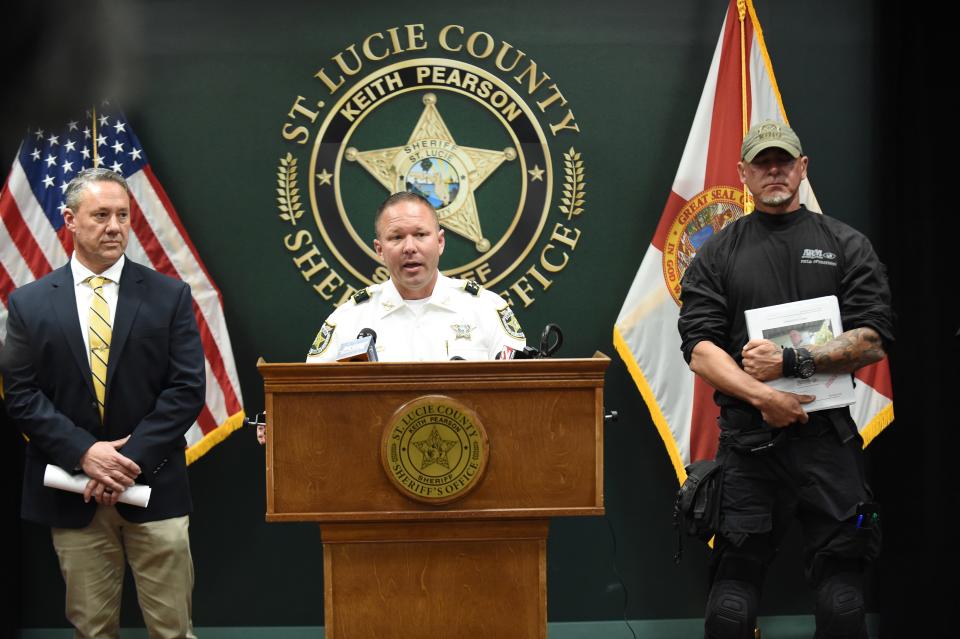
(324,177)
(434,450)
(536,174)
(433,165)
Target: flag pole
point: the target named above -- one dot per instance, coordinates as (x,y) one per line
(741,13)
(93,110)
(745,117)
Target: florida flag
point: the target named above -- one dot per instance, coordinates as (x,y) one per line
(707,194)
(34,241)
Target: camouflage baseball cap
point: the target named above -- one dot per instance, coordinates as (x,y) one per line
(769,134)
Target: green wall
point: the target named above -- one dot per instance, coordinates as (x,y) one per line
(213,84)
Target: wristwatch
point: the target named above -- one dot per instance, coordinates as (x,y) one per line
(803,364)
(798,362)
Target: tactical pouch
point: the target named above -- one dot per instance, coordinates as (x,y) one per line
(696,511)
(754,441)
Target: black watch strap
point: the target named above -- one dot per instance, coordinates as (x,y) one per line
(789,361)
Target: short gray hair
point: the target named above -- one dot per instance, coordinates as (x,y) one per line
(85,178)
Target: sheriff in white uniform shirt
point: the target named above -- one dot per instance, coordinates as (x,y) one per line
(419,314)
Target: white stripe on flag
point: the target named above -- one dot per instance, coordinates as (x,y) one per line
(766,106)
(215,398)
(34,218)
(135,251)
(11,259)
(648,325)
(868,405)
(167,234)
(193,435)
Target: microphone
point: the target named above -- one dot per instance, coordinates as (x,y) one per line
(508,352)
(547,346)
(361,349)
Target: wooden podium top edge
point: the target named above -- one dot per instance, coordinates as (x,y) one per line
(516,371)
(506,514)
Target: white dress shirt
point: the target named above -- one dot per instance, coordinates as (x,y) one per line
(84,293)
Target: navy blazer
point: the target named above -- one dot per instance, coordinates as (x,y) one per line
(154,390)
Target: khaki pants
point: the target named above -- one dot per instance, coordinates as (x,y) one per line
(92,563)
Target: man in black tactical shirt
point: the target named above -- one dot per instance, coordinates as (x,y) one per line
(780,461)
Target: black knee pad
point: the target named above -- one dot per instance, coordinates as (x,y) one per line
(731,610)
(840,608)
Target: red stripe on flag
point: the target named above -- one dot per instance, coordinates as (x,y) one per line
(726,128)
(22,237)
(172,213)
(674,204)
(149,242)
(6,285)
(726,138)
(704,431)
(215,359)
(877,377)
(206,421)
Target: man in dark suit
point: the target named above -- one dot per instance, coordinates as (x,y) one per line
(103,371)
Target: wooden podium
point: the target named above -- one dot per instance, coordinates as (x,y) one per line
(472,567)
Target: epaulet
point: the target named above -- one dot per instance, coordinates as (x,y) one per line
(361,296)
(472,287)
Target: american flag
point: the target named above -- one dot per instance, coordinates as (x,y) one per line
(34,241)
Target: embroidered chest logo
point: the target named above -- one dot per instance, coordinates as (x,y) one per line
(818,256)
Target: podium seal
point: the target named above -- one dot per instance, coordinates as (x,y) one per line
(434,450)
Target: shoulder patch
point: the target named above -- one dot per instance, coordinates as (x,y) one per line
(361,296)
(510,323)
(472,287)
(322,340)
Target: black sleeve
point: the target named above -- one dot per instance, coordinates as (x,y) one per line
(34,412)
(864,291)
(703,310)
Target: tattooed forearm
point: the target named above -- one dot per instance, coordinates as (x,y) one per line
(848,351)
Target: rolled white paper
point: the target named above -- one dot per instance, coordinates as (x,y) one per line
(56,477)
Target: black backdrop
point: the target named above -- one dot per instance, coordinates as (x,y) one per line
(206,87)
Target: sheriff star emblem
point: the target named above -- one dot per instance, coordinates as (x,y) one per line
(462,330)
(448,179)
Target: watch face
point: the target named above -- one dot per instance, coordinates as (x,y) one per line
(805,365)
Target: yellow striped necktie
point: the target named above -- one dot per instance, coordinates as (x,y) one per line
(99,332)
